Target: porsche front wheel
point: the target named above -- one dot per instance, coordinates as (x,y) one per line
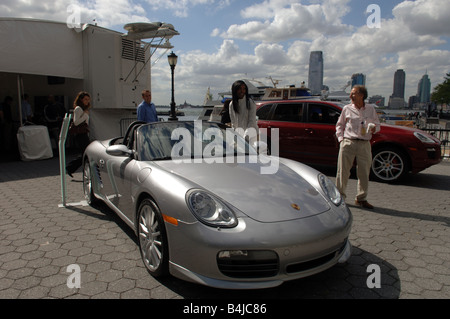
(152,239)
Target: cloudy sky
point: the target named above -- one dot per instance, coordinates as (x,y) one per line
(221,41)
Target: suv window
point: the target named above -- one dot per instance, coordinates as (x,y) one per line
(321,113)
(263,112)
(288,112)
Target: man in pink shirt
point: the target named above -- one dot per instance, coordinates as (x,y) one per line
(354,129)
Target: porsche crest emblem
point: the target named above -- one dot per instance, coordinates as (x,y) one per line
(295,206)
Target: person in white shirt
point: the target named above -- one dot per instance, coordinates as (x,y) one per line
(354,129)
(243,112)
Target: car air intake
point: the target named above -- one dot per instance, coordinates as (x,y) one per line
(311,264)
(248,263)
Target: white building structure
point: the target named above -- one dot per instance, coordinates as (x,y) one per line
(43,58)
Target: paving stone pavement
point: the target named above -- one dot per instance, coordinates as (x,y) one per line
(407,236)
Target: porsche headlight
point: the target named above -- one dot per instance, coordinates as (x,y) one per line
(330,190)
(210,210)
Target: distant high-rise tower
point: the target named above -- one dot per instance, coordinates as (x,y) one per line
(397,99)
(315,76)
(424,89)
(358,79)
(399,84)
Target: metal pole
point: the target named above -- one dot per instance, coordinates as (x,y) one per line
(20,88)
(62,155)
(173,115)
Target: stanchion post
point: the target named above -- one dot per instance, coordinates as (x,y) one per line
(62,154)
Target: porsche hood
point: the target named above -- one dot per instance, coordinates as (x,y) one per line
(266,198)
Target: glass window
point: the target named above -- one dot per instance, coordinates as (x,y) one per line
(263,112)
(289,112)
(321,113)
(161,141)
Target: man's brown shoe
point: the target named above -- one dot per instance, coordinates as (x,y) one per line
(363,204)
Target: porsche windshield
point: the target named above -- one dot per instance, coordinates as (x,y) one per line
(181,140)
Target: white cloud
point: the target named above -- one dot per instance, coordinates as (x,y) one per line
(425,17)
(106,13)
(271,54)
(409,41)
(180,8)
(287,19)
(109,13)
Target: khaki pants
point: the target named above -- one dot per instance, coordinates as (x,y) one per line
(348,151)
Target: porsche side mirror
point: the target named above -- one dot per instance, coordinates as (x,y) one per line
(118,150)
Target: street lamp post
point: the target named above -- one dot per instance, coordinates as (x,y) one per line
(173,62)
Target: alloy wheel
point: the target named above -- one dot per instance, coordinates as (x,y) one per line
(87,183)
(388,165)
(152,239)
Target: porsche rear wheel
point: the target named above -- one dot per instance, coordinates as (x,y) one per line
(152,239)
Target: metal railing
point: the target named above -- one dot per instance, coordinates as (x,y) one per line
(124,123)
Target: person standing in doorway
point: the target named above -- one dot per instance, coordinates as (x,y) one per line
(146,111)
(354,129)
(27,113)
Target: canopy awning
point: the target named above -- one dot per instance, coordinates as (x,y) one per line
(40,47)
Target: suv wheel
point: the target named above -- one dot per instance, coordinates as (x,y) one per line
(389,164)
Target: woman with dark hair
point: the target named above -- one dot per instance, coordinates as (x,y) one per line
(225,113)
(242,110)
(81,107)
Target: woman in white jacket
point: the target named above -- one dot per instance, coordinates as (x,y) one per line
(243,112)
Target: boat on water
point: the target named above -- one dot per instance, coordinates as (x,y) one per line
(287,93)
(212,108)
(264,93)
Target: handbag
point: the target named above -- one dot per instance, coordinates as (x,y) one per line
(78,129)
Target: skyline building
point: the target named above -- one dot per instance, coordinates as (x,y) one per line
(399,84)
(424,89)
(315,74)
(397,99)
(358,79)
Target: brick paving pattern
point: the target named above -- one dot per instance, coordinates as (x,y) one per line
(407,236)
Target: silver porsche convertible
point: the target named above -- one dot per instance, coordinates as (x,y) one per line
(210,208)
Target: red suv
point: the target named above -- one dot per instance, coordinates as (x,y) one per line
(307,134)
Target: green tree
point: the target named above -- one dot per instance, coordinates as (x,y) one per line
(441,93)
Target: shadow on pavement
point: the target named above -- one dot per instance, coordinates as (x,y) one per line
(19,170)
(419,216)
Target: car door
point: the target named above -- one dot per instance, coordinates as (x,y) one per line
(320,133)
(263,115)
(116,177)
(287,117)
(121,173)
